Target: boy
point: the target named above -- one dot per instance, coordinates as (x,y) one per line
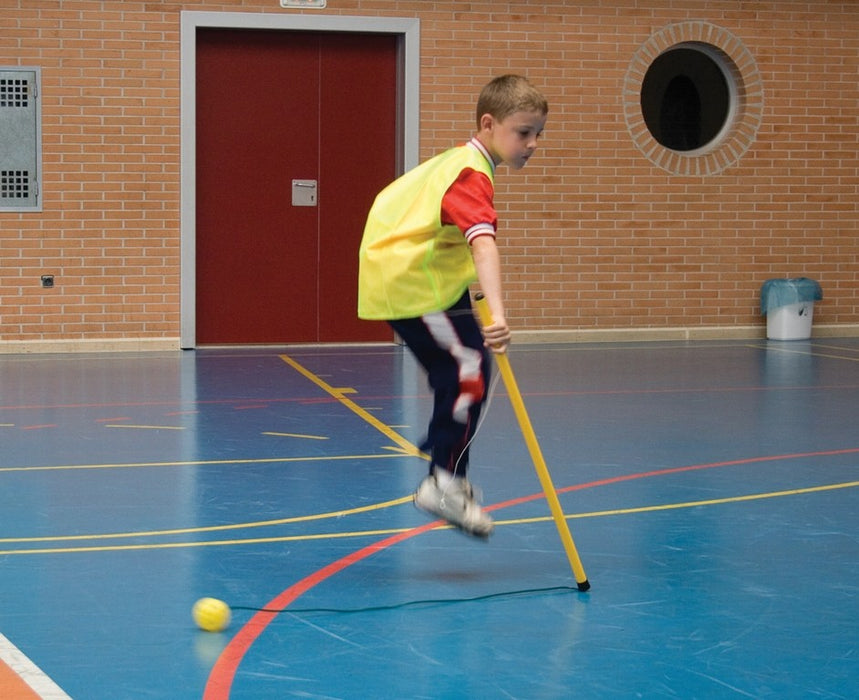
(429,235)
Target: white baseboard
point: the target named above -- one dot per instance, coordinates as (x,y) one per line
(23,347)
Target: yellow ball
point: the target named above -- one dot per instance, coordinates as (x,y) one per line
(211,614)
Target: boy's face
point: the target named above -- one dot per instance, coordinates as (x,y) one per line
(512,140)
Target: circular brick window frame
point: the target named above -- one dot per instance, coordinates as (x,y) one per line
(744,114)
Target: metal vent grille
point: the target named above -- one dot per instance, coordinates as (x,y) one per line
(14,184)
(14,92)
(20,140)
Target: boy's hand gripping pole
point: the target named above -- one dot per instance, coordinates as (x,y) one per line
(536,455)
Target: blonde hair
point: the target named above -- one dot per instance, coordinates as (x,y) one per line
(507,94)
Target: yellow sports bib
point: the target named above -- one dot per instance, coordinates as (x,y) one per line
(409,263)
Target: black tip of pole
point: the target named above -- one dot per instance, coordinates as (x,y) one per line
(584,585)
(478,296)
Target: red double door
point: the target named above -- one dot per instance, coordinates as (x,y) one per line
(296,134)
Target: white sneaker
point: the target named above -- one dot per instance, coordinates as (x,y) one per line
(455,503)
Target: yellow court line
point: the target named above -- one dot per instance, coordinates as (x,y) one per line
(691,504)
(395,448)
(196,463)
(297,435)
(405,446)
(386,532)
(207,543)
(338,393)
(214,528)
(836,347)
(808,353)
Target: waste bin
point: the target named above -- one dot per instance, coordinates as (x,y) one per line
(788,305)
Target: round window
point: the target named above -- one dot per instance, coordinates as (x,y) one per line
(693,99)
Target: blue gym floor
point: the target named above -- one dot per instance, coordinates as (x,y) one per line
(710,488)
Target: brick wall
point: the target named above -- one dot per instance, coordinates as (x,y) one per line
(595,233)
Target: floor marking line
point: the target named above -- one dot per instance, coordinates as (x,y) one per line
(689,504)
(297,435)
(808,353)
(712,465)
(834,347)
(338,394)
(12,685)
(195,463)
(405,499)
(678,470)
(223,672)
(31,676)
(147,427)
(395,448)
(438,524)
(212,528)
(209,543)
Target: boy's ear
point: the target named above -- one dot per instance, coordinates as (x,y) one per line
(487,121)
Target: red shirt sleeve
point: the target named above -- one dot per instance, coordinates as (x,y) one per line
(468,204)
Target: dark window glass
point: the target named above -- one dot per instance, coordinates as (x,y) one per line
(685,99)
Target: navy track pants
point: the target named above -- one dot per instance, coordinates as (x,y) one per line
(449,346)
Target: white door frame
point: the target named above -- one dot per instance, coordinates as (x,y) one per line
(408,123)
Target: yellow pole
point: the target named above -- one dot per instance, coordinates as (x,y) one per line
(536,455)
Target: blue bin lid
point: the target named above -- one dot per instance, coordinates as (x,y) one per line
(777,293)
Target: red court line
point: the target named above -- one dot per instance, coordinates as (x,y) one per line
(223,672)
(12,686)
(388,397)
(21,679)
(672,470)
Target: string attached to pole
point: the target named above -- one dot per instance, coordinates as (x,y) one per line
(411,603)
